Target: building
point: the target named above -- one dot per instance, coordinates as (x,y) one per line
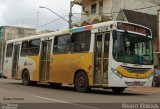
(9,33)
(94,11)
(157,53)
(43,32)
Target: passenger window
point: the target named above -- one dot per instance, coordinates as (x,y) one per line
(34,46)
(61,44)
(24,48)
(80,42)
(9,50)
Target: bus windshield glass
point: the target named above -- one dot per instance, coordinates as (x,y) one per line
(132,48)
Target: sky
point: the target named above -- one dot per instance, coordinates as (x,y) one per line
(23,13)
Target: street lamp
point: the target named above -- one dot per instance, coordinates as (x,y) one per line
(54,13)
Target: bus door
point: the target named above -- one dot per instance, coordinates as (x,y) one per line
(101,58)
(15,61)
(45,60)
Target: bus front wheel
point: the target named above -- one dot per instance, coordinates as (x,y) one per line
(81,83)
(26,78)
(118,89)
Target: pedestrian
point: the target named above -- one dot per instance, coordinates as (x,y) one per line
(156,76)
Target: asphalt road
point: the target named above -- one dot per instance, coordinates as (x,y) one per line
(44,96)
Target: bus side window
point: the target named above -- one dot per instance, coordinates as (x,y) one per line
(24,48)
(34,46)
(80,42)
(61,44)
(9,50)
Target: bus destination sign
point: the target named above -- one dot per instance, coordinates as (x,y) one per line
(133,28)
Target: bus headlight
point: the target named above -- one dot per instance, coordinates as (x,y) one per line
(116,72)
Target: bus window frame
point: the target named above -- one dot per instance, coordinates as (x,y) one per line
(10,51)
(29,47)
(53,49)
(82,42)
(21,54)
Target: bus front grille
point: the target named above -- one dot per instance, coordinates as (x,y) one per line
(136,70)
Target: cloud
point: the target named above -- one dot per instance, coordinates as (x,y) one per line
(24,13)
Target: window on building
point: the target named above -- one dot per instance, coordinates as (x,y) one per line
(101,7)
(9,50)
(24,48)
(80,42)
(93,8)
(61,44)
(84,9)
(34,46)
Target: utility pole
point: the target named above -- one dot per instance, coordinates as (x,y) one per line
(71,14)
(1,31)
(37,18)
(159,27)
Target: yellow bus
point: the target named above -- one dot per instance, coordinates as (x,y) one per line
(112,54)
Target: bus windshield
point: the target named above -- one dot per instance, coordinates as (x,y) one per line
(132,48)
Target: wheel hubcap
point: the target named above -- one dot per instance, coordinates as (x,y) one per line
(80,81)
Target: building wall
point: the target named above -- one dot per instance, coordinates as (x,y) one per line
(9,33)
(112,7)
(134,4)
(107,6)
(17,32)
(157,45)
(1,44)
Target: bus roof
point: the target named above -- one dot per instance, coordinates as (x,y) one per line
(67,31)
(61,32)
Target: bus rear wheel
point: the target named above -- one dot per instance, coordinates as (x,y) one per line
(81,83)
(118,90)
(26,78)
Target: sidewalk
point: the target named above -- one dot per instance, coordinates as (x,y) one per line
(145,89)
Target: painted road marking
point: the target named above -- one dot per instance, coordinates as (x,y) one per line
(60,101)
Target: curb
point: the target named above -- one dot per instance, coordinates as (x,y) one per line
(155,90)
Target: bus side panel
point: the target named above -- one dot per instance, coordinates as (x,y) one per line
(7,64)
(7,68)
(31,63)
(64,67)
(35,63)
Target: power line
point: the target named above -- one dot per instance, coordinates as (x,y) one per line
(51,22)
(98,14)
(146,7)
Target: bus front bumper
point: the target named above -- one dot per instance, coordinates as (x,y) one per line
(116,81)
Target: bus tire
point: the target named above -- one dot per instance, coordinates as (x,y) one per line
(118,90)
(26,78)
(81,82)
